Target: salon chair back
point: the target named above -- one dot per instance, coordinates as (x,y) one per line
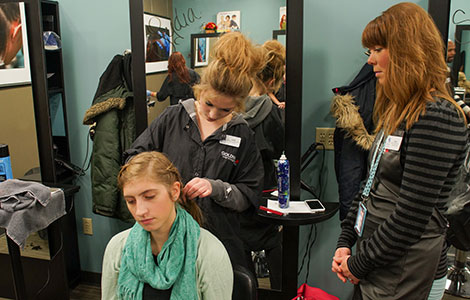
(244,284)
(458,212)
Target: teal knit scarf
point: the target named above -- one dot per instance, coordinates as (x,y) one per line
(176,261)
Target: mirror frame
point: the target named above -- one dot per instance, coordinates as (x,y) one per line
(439,10)
(294,54)
(139,86)
(39,90)
(195,36)
(277,33)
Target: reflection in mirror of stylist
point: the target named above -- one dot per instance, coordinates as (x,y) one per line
(165,255)
(211,144)
(179,82)
(11,41)
(279,98)
(400,232)
(265,119)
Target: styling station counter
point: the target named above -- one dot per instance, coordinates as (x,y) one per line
(290,244)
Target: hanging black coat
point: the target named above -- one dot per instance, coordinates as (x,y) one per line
(352,107)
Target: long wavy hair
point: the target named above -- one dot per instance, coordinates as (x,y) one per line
(235,63)
(156,166)
(177,64)
(417,70)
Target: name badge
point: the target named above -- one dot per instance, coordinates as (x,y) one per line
(360,218)
(393,142)
(230,140)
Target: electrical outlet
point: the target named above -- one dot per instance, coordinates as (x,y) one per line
(325,137)
(87,226)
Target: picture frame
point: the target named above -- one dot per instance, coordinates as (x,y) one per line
(202,46)
(17,71)
(228,21)
(282,18)
(158,43)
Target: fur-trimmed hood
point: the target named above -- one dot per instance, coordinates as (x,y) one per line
(346,112)
(113,89)
(103,107)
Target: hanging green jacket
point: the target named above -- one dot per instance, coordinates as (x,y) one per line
(112,113)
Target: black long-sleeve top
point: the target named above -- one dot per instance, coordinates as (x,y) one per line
(431,154)
(176,89)
(235,171)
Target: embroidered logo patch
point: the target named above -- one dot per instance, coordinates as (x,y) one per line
(230,157)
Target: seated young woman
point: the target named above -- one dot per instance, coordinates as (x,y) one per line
(166,254)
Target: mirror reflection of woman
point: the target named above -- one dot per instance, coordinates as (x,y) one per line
(165,255)
(179,82)
(283,22)
(420,145)
(211,144)
(266,121)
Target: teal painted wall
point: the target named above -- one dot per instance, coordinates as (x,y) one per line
(92,33)
(258,18)
(332,56)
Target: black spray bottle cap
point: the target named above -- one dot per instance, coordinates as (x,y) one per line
(4,150)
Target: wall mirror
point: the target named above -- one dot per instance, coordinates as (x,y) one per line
(451,17)
(200,55)
(35,124)
(464,41)
(459,33)
(294,46)
(459,63)
(17,108)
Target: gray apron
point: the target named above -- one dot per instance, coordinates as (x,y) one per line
(411,276)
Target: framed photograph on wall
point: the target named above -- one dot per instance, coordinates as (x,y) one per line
(228,21)
(158,42)
(202,52)
(14,65)
(282,17)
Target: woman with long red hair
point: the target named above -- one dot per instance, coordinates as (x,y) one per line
(397,220)
(178,84)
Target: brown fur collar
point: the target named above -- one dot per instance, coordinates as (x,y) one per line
(102,107)
(346,112)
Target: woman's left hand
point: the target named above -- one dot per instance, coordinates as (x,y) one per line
(340,253)
(197,187)
(345,271)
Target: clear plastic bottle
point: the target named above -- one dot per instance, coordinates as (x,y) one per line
(5,164)
(283,187)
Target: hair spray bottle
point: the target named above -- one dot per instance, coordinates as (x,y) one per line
(5,163)
(283,188)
